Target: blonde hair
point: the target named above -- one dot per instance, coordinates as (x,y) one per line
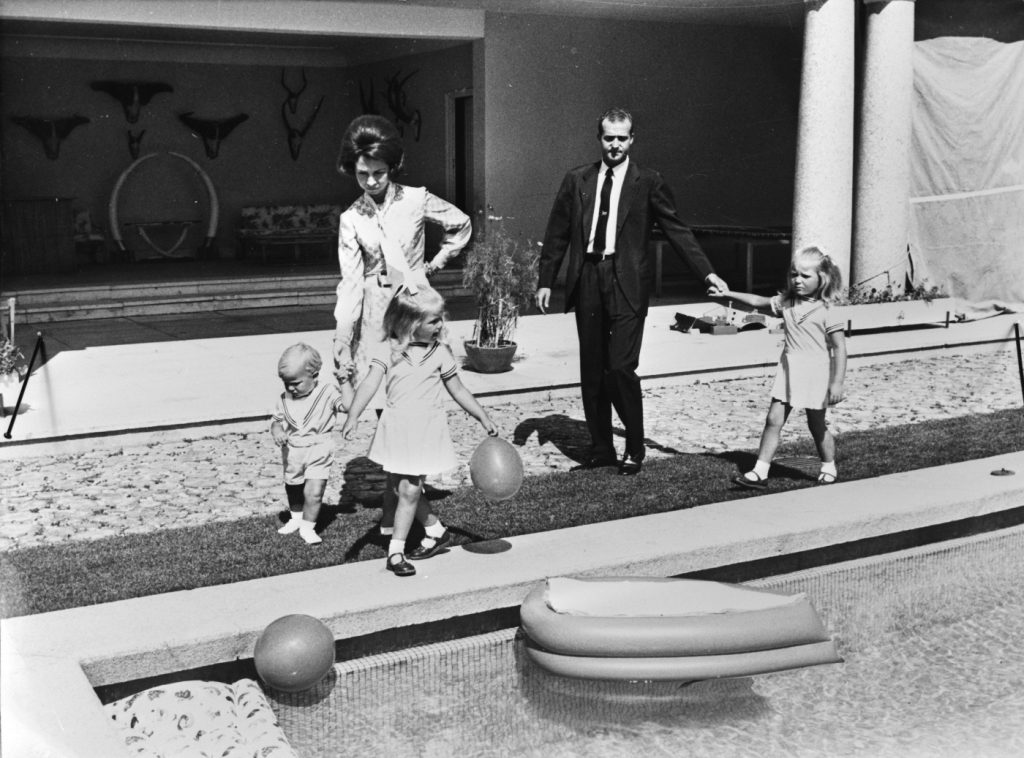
(300,356)
(830,278)
(407,311)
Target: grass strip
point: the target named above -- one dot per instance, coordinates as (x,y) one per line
(49,578)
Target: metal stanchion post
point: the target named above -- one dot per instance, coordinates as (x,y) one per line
(24,383)
(1020,360)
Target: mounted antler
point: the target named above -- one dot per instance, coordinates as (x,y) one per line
(292,101)
(132,95)
(296,135)
(51,132)
(397,103)
(368,102)
(213,131)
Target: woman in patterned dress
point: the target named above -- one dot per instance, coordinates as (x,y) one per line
(381,247)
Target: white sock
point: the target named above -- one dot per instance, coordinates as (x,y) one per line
(293,523)
(761,468)
(387,531)
(435,530)
(306,531)
(829,467)
(396,546)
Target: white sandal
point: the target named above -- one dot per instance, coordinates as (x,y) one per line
(826,478)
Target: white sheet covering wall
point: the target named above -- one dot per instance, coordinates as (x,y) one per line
(967,170)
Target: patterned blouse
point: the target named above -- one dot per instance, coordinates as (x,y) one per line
(401,217)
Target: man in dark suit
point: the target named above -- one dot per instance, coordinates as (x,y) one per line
(602,216)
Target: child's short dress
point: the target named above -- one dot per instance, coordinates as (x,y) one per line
(412,435)
(805,367)
(308,421)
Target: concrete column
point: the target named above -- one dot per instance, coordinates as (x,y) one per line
(823,194)
(881,205)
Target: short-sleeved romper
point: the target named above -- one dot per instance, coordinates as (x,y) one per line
(308,422)
(805,367)
(412,435)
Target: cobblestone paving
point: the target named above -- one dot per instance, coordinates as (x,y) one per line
(185,483)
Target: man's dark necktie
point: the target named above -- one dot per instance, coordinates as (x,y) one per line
(602,219)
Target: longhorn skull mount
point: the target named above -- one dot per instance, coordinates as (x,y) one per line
(132,95)
(212,131)
(51,132)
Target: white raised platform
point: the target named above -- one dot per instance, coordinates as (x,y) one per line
(80,397)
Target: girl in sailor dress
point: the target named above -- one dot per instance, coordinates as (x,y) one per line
(812,367)
(412,439)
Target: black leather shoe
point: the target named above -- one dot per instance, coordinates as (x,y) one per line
(630,466)
(596,462)
(440,545)
(400,567)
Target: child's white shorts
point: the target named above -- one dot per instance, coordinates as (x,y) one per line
(304,462)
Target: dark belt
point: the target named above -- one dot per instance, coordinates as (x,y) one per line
(597,257)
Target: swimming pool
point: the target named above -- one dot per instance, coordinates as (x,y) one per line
(934,666)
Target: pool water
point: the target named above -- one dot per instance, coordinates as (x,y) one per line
(933,643)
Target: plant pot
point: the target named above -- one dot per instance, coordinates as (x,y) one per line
(10,386)
(490,360)
(903,313)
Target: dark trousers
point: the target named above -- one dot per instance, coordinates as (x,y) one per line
(610,334)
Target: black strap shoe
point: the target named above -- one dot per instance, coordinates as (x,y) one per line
(400,567)
(440,545)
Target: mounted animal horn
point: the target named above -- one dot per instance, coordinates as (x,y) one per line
(212,131)
(51,132)
(132,95)
(397,103)
(368,101)
(293,95)
(295,134)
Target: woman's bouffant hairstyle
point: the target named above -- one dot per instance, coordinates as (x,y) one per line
(300,356)
(406,312)
(830,278)
(371,137)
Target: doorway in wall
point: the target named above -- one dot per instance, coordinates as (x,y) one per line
(459,148)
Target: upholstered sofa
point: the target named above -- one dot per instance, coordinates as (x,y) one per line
(297,231)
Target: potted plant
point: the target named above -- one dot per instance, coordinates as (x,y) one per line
(11,371)
(500,272)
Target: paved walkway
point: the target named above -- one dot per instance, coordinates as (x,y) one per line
(235,475)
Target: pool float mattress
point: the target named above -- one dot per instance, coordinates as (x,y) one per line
(669,629)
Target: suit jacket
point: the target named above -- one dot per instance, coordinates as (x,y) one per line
(645,200)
